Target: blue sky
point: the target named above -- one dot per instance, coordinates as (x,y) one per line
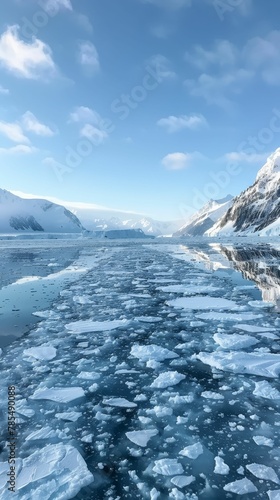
(152,106)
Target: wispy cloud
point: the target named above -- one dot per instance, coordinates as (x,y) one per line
(18,150)
(262,54)
(31,124)
(84,114)
(162,67)
(14,132)
(94,134)
(176,123)
(3,90)
(223,54)
(88,56)
(26,60)
(180,161)
(51,6)
(242,157)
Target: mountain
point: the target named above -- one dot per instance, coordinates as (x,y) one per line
(256,211)
(18,214)
(205,218)
(98,219)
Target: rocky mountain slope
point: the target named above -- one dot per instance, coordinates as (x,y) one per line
(205,218)
(256,211)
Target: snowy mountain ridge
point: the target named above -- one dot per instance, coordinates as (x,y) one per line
(18,214)
(205,218)
(256,211)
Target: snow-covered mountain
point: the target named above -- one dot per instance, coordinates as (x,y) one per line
(205,218)
(18,215)
(98,219)
(256,211)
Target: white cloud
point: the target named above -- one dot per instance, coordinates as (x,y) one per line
(176,123)
(242,157)
(19,149)
(170,4)
(263,56)
(53,6)
(88,56)
(176,161)
(224,54)
(14,132)
(32,124)
(84,114)
(215,89)
(84,22)
(162,67)
(94,134)
(26,60)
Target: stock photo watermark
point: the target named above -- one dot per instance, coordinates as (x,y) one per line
(253,145)
(222,7)
(121,107)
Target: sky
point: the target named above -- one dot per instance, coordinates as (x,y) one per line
(150,106)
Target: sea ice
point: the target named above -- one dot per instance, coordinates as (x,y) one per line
(168,467)
(43,353)
(141,438)
(263,364)
(182,481)
(212,395)
(234,341)
(193,451)
(202,302)
(224,316)
(263,472)
(152,352)
(221,467)
(265,390)
(60,395)
(55,471)
(263,441)
(71,416)
(167,379)
(95,326)
(120,402)
(274,494)
(241,487)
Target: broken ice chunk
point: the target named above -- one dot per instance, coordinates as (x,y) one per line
(193,451)
(152,352)
(120,402)
(241,487)
(167,379)
(61,395)
(43,353)
(141,438)
(263,472)
(168,467)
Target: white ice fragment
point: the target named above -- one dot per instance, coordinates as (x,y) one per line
(265,390)
(87,439)
(234,341)
(263,364)
(202,302)
(152,352)
(42,473)
(44,433)
(89,375)
(167,379)
(119,402)
(254,328)
(220,466)
(241,487)
(43,353)
(193,451)
(263,472)
(263,441)
(141,438)
(259,304)
(168,467)
(71,416)
(60,395)
(148,319)
(274,494)
(212,395)
(182,481)
(224,316)
(95,326)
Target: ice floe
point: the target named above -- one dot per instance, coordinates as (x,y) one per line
(119,402)
(201,302)
(241,487)
(234,341)
(263,364)
(60,395)
(95,326)
(152,352)
(193,451)
(263,472)
(141,438)
(265,390)
(168,467)
(221,467)
(43,353)
(167,379)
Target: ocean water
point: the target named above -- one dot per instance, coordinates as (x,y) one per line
(152,370)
